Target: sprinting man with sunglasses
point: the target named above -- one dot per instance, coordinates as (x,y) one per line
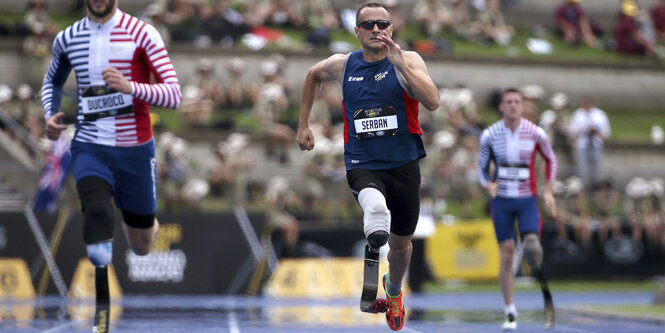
(381,89)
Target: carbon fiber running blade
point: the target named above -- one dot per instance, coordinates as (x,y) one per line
(370,281)
(549,308)
(102,301)
(547,298)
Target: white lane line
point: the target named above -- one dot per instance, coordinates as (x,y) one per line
(233,323)
(571,329)
(59,328)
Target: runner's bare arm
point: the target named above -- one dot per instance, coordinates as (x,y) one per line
(414,71)
(418,80)
(325,70)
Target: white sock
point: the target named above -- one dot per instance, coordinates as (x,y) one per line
(510,309)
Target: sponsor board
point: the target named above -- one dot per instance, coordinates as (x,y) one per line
(15,281)
(464,251)
(323,278)
(83,282)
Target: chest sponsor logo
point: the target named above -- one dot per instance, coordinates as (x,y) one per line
(380,76)
(355,78)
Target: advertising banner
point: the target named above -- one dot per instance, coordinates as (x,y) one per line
(465,250)
(195,253)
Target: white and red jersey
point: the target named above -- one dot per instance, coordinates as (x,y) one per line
(514,156)
(137,50)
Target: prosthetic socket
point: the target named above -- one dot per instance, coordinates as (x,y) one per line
(376,217)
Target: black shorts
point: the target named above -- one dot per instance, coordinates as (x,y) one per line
(400,186)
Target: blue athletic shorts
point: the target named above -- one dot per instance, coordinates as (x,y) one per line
(504,212)
(131,172)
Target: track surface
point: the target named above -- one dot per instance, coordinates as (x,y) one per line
(449,312)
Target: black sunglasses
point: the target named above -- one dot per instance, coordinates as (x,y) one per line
(369,24)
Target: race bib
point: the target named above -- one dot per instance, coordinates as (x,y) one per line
(509,172)
(100,102)
(375,122)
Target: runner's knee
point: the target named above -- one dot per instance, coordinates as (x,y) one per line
(376,216)
(533,251)
(138,221)
(142,236)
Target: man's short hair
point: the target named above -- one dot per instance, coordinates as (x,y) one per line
(371,5)
(510,90)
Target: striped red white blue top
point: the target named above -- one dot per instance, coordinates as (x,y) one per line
(132,46)
(514,155)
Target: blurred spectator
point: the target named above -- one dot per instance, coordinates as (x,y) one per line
(239,92)
(179,11)
(574,25)
(229,175)
(282,202)
(270,104)
(532,95)
(464,174)
(286,82)
(189,21)
(172,169)
(657,135)
(320,119)
(438,168)
(463,25)
(6,107)
(656,213)
(459,112)
(278,13)
(208,83)
(193,192)
(658,19)
(637,207)
(154,14)
(272,99)
(227,23)
(492,25)
(432,16)
(41,29)
(578,214)
(316,13)
(606,209)
(38,21)
(555,122)
(196,107)
(325,179)
(560,216)
(396,18)
(29,113)
(627,33)
(658,207)
(589,128)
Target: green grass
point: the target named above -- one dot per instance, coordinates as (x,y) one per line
(640,311)
(171,120)
(555,285)
(627,124)
(632,124)
(517,49)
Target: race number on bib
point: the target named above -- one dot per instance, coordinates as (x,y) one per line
(375,122)
(519,173)
(100,101)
